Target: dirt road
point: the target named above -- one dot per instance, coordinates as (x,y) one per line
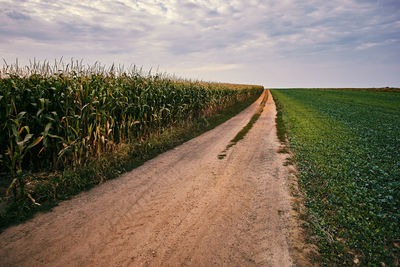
(184,207)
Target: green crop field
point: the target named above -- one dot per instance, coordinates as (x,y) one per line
(346,144)
(58,126)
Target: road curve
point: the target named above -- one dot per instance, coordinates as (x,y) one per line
(185,207)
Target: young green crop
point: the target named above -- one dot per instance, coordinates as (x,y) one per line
(347,148)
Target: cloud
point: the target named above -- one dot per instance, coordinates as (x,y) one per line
(213,34)
(370,45)
(366,46)
(17,15)
(216,67)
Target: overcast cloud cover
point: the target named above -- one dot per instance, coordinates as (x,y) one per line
(276,43)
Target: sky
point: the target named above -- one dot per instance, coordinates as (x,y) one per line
(275,43)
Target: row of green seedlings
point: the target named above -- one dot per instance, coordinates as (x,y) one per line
(50,122)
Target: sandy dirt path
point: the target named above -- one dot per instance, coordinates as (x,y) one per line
(185,207)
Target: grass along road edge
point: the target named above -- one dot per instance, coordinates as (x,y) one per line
(242,133)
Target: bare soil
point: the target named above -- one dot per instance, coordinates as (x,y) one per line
(185,207)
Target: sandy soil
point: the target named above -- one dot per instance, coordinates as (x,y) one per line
(185,207)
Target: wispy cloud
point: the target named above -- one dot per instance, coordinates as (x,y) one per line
(372,44)
(216,67)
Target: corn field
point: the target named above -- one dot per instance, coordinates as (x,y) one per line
(53,119)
